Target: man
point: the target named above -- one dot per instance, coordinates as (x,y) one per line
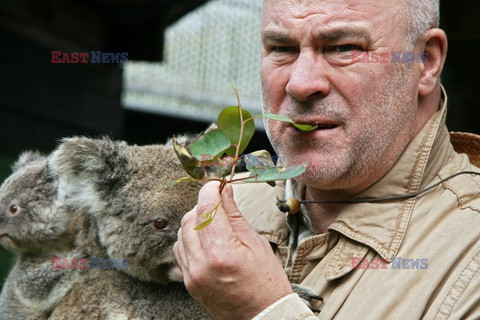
(381,133)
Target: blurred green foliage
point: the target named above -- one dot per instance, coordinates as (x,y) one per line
(6,258)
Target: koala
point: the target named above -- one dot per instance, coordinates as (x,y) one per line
(133,218)
(35,225)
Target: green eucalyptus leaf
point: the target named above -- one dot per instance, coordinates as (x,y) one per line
(175,182)
(204,224)
(208,217)
(305,127)
(277,117)
(301,127)
(212,144)
(190,164)
(276,173)
(229,122)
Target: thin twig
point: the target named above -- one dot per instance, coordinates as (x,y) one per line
(237,147)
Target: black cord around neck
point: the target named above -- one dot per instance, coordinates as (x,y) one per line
(283,207)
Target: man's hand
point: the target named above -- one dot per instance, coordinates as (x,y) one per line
(227,266)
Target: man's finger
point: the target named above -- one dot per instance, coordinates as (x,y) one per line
(219,231)
(191,246)
(242,229)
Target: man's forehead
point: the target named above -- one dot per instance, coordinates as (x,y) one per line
(303,8)
(327,14)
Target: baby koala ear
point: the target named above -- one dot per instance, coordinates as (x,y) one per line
(27,158)
(89,169)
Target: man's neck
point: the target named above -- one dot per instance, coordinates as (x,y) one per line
(323,215)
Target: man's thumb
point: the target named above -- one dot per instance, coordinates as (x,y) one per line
(233,213)
(243,230)
(228,203)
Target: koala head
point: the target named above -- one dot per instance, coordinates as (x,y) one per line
(123,187)
(32,219)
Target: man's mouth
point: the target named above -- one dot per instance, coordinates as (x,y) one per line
(322,126)
(319,125)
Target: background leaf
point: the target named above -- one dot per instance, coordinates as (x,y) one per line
(229,122)
(301,127)
(213,144)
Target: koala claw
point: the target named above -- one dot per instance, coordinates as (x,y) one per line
(315,297)
(307,295)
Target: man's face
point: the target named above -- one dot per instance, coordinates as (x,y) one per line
(366,111)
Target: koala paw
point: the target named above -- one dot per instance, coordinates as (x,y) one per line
(307,295)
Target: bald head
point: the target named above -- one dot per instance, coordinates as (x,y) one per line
(417,15)
(420,16)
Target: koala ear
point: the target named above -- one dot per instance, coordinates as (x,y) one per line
(211,127)
(186,139)
(89,168)
(27,158)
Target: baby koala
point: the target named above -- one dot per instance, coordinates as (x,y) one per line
(34,224)
(134,223)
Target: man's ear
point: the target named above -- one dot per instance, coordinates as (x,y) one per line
(434,55)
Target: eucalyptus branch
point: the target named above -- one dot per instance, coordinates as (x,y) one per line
(232,136)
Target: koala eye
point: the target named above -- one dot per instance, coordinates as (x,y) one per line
(160,224)
(13,209)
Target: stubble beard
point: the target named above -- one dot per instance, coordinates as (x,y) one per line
(365,151)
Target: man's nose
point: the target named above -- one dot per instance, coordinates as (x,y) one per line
(308,78)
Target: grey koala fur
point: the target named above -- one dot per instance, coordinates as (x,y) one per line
(123,189)
(36,225)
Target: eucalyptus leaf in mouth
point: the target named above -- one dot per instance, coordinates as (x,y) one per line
(305,127)
(301,127)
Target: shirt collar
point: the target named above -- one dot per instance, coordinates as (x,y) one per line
(382,226)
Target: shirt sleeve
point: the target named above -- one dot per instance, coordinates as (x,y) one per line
(290,307)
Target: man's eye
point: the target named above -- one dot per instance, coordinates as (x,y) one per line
(283,49)
(346,48)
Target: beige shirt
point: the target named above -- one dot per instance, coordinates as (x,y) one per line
(415,259)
